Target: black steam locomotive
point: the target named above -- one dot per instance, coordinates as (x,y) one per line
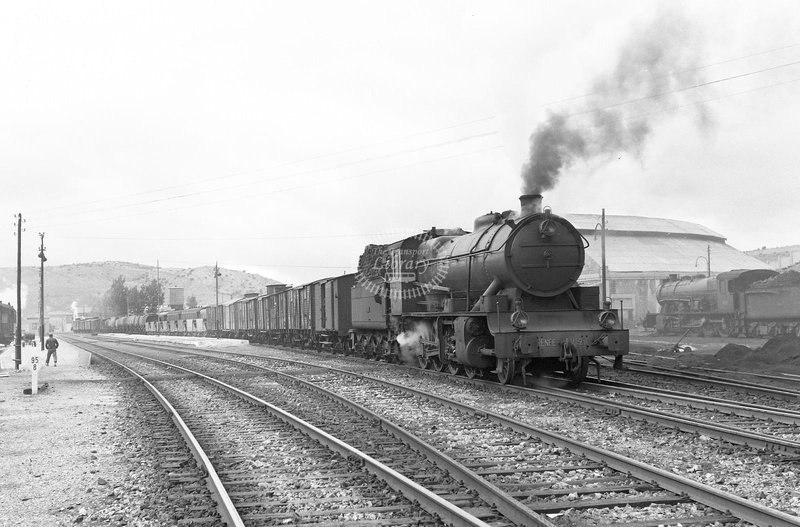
(503,299)
(748,303)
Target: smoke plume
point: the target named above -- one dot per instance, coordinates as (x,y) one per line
(8,294)
(655,65)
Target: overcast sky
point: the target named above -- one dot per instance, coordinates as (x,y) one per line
(281,137)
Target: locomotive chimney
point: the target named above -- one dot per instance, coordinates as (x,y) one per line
(530,204)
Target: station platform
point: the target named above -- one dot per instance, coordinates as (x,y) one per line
(69,357)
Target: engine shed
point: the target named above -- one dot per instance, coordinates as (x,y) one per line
(641,252)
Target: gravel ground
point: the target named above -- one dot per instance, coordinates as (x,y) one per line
(70,454)
(73,455)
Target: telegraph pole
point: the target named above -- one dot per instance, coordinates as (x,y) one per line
(603,254)
(18,343)
(41,290)
(217,274)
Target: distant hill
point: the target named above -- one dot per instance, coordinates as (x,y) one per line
(81,286)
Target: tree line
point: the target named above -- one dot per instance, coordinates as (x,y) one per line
(121,300)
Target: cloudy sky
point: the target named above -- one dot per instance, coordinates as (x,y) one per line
(281,137)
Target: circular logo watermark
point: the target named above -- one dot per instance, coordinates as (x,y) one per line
(411,271)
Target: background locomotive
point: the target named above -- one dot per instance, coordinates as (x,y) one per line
(751,303)
(503,299)
(8,323)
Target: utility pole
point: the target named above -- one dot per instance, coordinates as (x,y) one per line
(217,274)
(707,258)
(41,290)
(603,252)
(18,343)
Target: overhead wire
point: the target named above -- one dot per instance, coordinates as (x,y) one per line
(353,176)
(682,89)
(295,174)
(278,166)
(679,72)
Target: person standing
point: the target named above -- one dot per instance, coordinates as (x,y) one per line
(52,345)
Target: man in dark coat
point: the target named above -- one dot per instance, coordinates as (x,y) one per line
(52,345)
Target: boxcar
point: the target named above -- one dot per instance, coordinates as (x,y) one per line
(332,318)
(228,321)
(300,323)
(213,320)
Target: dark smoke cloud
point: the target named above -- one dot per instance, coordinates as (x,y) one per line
(655,63)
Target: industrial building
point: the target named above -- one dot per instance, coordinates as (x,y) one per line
(640,252)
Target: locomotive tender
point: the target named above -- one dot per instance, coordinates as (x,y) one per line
(503,299)
(750,303)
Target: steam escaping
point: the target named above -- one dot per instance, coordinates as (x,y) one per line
(411,340)
(656,65)
(74,308)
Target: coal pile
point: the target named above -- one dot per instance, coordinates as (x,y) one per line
(731,353)
(787,278)
(779,350)
(783,351)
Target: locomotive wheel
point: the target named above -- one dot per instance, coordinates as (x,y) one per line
(474,373)
(505,370)
(453,368)
(725,328)
(423,362)
(577,374)
(393,355)
(372,349)
(436,364)
(361,347)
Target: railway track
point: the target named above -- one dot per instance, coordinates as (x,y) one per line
(722,388)
(592,484)
(269,468)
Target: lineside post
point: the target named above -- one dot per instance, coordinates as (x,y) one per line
(18,343)
(41,291)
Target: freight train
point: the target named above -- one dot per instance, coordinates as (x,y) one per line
(8,323)
(503,299)
(746,303)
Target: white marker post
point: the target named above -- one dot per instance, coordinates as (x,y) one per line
(34,374)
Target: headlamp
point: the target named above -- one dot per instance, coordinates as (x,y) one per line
(607,319)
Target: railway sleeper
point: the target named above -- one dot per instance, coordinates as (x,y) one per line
(532,470)
(643,487)
(639,501)
(688,520)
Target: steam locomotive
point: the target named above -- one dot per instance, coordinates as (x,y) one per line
(8,322)
(748,303)
(503,299)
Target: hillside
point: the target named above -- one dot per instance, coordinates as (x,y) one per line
(80,287)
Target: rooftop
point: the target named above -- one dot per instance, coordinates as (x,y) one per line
(641,224)
(657,247)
